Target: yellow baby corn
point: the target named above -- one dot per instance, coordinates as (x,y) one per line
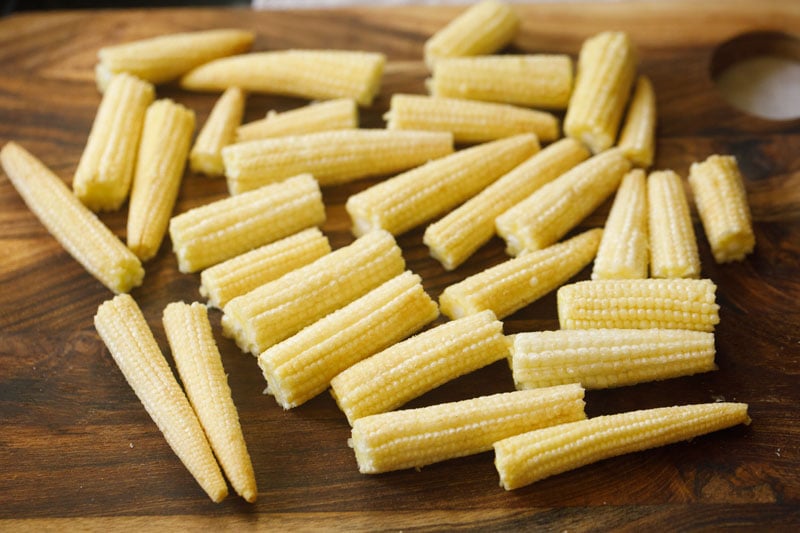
(414,197)
(551,211)
(606,71)
(333,157)
(624,252)
(414,438)
(512,285)
(638,137)
(673,246)
(166,137)
(123,328)
(602,358)
(243,273)
(218,132)
(76,228)
(302,366)
(639,304)
(105,171)
(529,457)
(721,200)
(459,234)
(528,80)
(200,368)
(212,233)
(312,74)
(279,309)
(411,368)
(339,114)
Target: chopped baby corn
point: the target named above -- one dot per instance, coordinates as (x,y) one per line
(414,438)
(414,197)
(214,232)
(673,246)
(513,284)
(218,132)
(719,193)
(529,457)
(339,114)
(77,229)
(125,332)
(638,137)
(303,365)
(419,364)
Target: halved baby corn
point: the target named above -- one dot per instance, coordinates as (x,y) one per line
(333,157)
(529,457)
(105,171)
(243,273)
(639,304)
(218,132)
(166,137)
(214,232)
(515,283)
(419,364)
(339,114)
(414,438)
(673,246)
(415,197)
(76,228)
(638,137)
(123,328)
(200,368)
(302,366)
(721,200)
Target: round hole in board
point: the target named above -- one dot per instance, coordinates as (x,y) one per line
(759,73)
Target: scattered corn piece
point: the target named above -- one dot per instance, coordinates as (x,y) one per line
(673,246)
(638,138)
(218,132)
(339,114)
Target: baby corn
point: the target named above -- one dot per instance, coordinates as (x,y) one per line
(339,114)
(638,137)
(673,246)
(218,132)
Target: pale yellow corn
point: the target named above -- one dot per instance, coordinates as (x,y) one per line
(603,358)
(214,232)
(673,246)
(279,309)
(529,80)
(555,208)
(638,137)
(415,197)
(459,234)
(312,74)
(123,328)
(721,200)
(414,438)
(513,284)
(244,273)
(166,137)
(76,228)
(105,171)
(200,367)
(529,457)
(302,366)
(333,157)
(639,304)
(218,132)
(339,114)
(606,71)
(419,364)
(624,251)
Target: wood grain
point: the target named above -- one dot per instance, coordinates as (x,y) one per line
(77,450)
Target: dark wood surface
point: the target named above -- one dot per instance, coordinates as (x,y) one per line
(78,450)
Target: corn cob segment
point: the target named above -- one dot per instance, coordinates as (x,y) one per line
(419,364)
(281,308)
(212,233)
(339,114)
(218,132)
(638,137)
(333,157)
(414,197)
(721,200)
(166,137)
(302,366)
(77,229)
(529,457)
(414,438)
(639,304)
(105,171)
(123,328)
(673,246)
(510,286)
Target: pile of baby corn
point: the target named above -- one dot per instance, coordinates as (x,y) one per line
(346,319)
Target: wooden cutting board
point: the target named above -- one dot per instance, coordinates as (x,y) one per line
(78,450)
